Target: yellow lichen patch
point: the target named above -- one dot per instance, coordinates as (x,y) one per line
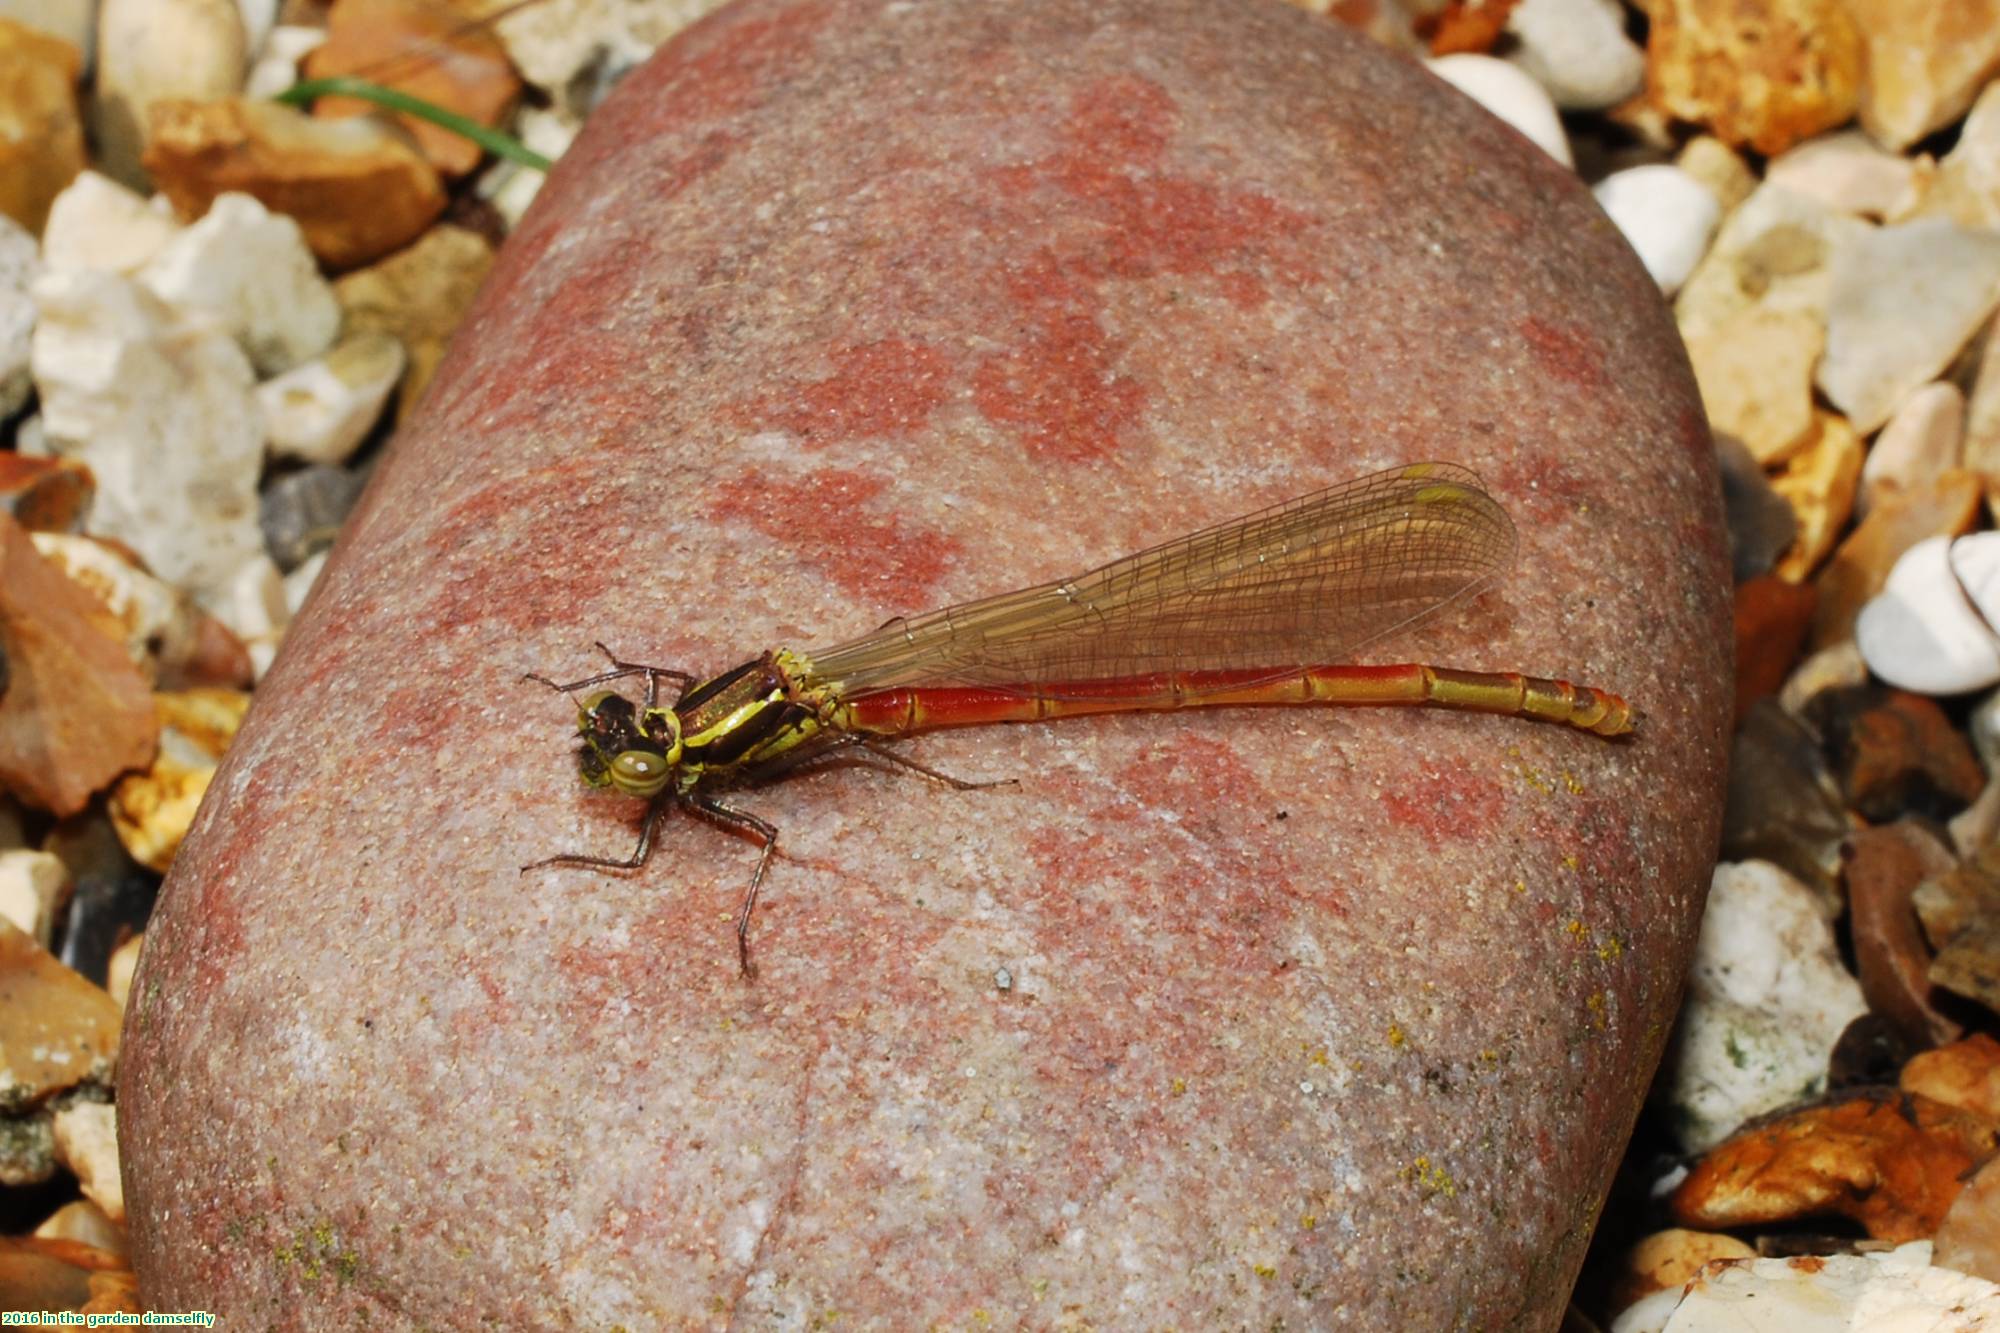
(1430,1178)
(315,1253)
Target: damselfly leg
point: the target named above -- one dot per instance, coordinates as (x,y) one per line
(925,770)
(620,669)
(730,817)
(654,814)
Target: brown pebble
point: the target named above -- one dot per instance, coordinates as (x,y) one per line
(56,1029)
(76,711)
(1896,753)
(1884,867)
(1772,616)
(1766,73)
(45,494)
(417,296)
(1668,1259)
(1784,804)
(427,51)
(356,187)
(1945,505)
(1969,964)
(1892,1164)
(41,131)
(1965,1074)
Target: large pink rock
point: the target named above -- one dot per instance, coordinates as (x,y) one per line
(844,309)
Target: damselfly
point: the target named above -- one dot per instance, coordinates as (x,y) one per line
(1247,613)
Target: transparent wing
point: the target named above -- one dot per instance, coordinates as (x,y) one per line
(1305,582)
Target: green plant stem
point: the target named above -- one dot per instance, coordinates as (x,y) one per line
(500,145)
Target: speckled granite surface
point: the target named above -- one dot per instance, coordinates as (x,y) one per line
(843,309)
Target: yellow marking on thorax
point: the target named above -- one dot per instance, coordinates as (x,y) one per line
(731,721)
(795,669)
(694,768)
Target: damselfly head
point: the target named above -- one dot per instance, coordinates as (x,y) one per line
(632,749)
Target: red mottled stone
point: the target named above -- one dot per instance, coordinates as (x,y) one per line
(837,310)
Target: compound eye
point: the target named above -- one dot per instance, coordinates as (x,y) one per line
(640,772)
(598,715)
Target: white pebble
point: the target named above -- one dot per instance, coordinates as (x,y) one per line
(1921,632)
(250,268)
(1975,564)
(151,51)
(1667,216)
(32,885)
(258,17)
(1919,442)
(31,438)
(321,411)
(1897,1292)
(1904,300)
(1509,94)
(160,407)
(96,223)
(1984,727)
(87,1143)
(1830,668)
(277,66)
(509,186)
(256,610)
(18,266)
(1771,253)
(1578,51)
(1850,172)
(118,972)
(300,581)
(1767,999)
